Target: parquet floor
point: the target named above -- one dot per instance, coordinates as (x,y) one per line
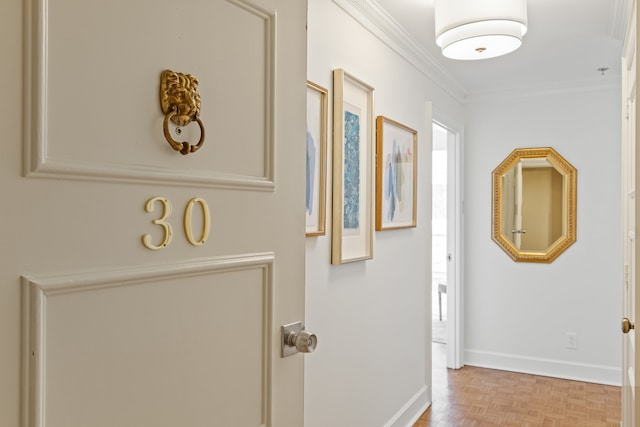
(478,397)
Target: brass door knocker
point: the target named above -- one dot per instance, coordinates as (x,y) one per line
(180,102)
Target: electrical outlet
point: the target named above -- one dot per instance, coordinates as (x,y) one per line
(572,340)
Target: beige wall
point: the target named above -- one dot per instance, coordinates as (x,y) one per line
(541,211)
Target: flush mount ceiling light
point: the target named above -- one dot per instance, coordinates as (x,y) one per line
(472,29)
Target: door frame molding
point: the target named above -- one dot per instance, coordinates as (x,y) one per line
(629,122)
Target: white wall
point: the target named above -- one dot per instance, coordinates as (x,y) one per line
(371,367)
(517,314)
(372,318)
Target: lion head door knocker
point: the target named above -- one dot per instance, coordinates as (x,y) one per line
(180,102)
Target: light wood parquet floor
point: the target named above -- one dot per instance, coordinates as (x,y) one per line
(478,397)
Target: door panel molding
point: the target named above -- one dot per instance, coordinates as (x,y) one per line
(47,316)
(224,100)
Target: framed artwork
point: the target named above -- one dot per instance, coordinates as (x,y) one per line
(396,169)
(316,172)
(353,165)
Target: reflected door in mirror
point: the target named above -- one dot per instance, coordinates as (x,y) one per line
(534,204)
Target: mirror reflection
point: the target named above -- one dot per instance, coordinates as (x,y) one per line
(534,204)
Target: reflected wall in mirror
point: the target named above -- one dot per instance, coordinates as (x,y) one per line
(534,204)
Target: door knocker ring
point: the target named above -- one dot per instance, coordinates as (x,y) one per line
(180,102)
(183,147)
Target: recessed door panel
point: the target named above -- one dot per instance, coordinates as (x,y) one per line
(182,344)
(95,104)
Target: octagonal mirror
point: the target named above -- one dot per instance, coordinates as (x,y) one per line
(534,205)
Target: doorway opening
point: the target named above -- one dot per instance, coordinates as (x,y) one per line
(439,236)
(446,235)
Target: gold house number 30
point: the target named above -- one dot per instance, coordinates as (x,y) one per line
(163,222)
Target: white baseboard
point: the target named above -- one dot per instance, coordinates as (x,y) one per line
(410,411)
(598,374)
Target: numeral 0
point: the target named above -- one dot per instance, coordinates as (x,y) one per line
(168,229)
(205,221)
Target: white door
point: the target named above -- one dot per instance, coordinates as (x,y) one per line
(153,283)
(454,255)
(630,376)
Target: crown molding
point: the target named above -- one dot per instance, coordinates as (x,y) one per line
(376,20)
(602,83)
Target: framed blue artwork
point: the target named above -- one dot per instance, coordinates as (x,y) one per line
(353,166)
(396,148)
(316,168)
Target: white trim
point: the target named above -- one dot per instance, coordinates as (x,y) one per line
(628,143)
(600,83)
(620,18)
(598,374)
(376,20)
(629,45)
(91,171)
(411,411)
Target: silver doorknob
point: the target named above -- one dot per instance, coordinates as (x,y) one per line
(627,325)
(296,340)
(304,341)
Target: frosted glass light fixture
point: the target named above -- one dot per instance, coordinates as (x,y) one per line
(479,29)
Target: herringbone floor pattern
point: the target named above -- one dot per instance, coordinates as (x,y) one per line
(478,397)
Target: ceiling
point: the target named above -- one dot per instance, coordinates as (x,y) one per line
(566,43)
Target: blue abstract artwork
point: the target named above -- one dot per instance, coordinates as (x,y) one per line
(311,165)
(395,185)
(398,178)
(351,171)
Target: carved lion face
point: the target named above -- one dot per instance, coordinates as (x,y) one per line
(181,91)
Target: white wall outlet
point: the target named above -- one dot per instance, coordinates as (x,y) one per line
(572,340)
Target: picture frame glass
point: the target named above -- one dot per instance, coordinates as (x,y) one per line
(316,148)
(353,165)
(396,175)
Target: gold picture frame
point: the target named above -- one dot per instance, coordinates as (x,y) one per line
(353,168)
(316,169)
(396,175)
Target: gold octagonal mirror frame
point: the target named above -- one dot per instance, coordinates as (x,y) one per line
(522,207)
